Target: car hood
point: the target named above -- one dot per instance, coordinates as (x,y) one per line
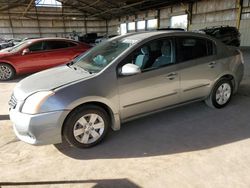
(4,53)
(48,80)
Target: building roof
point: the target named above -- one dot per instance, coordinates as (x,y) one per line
(104,9)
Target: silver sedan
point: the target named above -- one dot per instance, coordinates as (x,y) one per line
(122,79)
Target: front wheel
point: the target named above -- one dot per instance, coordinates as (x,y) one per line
(7,72)
(86,126)
(221,94)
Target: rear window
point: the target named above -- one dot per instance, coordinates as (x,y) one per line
(228,30)
(71,44)
(189,48)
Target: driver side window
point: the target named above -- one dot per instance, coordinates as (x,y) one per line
(153,55)
(38,46)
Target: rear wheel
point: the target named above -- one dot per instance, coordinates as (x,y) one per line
(221,94)
(7,72)
(86,126)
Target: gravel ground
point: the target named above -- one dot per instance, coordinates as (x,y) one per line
(190,146)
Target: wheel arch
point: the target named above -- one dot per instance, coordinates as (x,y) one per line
(8,63)
(230,77)
(114,117)
(11,73)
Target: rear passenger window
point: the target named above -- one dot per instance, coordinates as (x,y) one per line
(189,48)
(211,50)
(53,45)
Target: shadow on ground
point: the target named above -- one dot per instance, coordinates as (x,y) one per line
(4,117)
(187,128)
(97,183)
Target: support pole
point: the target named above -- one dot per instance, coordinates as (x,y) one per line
(158,18)
(239,7)
(63,19)
(28,7)
(107,27)
(135,20)
(190,14)
(38,23)
(10,22)
(85,25)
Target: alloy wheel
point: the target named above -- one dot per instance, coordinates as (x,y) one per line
(223,93)
(5,72)
(88,128)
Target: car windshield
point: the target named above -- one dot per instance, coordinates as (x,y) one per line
(19,46)
(103,54)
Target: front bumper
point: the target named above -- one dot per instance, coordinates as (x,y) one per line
(38,129)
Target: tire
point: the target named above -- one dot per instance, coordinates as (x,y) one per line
(86,126)
(7,72)
(221,94)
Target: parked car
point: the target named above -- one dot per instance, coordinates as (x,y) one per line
(37,54)
(121,79)
(9,45)
(89,38)
(4,43)
(104,38)
(226,34)
(170,29)
(16,41)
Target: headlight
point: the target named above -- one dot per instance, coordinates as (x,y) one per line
(33,103)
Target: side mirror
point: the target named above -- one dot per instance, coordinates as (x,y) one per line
(130,69)
(25,51)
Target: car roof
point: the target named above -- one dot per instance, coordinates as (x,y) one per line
(148,34)
(52,38)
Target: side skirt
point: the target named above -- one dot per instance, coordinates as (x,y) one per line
(161,109)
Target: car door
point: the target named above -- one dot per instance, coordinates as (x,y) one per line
(57,52)
(197,66)
(152,89)
(34,59)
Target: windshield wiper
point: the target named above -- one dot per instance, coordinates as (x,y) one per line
(70,63)
(75,67)
(90,72)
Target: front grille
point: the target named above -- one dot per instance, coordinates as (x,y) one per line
(12,102)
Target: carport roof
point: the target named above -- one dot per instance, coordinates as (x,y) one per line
(104,9)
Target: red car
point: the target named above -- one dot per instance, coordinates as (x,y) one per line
(38,54)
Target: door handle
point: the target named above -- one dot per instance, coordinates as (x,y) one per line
(171,76)
(212,64)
